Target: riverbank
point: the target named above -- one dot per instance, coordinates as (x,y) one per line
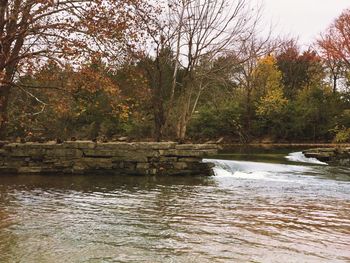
(330,155)
(83,157)
(286,145)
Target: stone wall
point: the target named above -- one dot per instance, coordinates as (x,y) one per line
(81,157)
(333,155)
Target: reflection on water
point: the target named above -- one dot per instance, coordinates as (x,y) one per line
(303,217)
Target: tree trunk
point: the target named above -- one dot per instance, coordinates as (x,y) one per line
(4,96)
(248,112)
(185,117)
(159,121)
(158,103)
(183,132)
(335,78)
(181,129)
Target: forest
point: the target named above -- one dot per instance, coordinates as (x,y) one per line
(185,70)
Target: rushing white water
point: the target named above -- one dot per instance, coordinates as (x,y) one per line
(300,157)
(255,170)
(267,171)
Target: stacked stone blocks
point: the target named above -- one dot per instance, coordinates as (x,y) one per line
(82,157)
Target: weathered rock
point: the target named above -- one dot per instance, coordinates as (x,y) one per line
(79,144)
(196,146)
(65,153)
(189,159)
(144,166)
(3,143)
(188,152)
(123,139)
(29,170)
(164,159)
(80,157)
(180,165)
(334,156)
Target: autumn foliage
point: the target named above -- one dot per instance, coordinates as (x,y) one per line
(105,69)
(335,43)
(35,31)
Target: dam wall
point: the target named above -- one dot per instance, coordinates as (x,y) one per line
(84,157)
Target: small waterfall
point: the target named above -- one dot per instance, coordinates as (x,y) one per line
(300,158)
(255,170)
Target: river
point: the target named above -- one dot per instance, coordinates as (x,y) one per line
(258,208)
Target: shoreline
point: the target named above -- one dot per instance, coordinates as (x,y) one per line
(267,145)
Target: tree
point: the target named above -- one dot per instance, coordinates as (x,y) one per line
(334,68)
(271,103)
(82,103)
(298,69)
(334,47)
(266,76)
(159,74)
(251,51)
(315,112)
(196,31)
(206,29)
(34,31)
(336,40)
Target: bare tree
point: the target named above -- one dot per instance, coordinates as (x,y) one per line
(202,30)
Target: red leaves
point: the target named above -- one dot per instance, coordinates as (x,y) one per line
(335,42)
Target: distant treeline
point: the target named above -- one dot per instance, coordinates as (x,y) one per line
(180,71)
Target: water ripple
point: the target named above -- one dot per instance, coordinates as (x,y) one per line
(123,219)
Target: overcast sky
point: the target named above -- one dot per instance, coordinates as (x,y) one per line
(303,18)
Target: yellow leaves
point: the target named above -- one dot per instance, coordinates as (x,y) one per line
(268,85)
(342,134)
(123,111)
(266,74)
(268,60)
(272,103)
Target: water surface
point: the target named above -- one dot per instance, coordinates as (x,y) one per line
(250,211)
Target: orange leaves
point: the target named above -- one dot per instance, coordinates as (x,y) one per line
(66,30)
(121,110)
(93,78)
(335,42)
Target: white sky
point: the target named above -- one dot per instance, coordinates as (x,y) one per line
(302,18)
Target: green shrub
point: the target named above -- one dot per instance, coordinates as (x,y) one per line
(213,122)
(342,135)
